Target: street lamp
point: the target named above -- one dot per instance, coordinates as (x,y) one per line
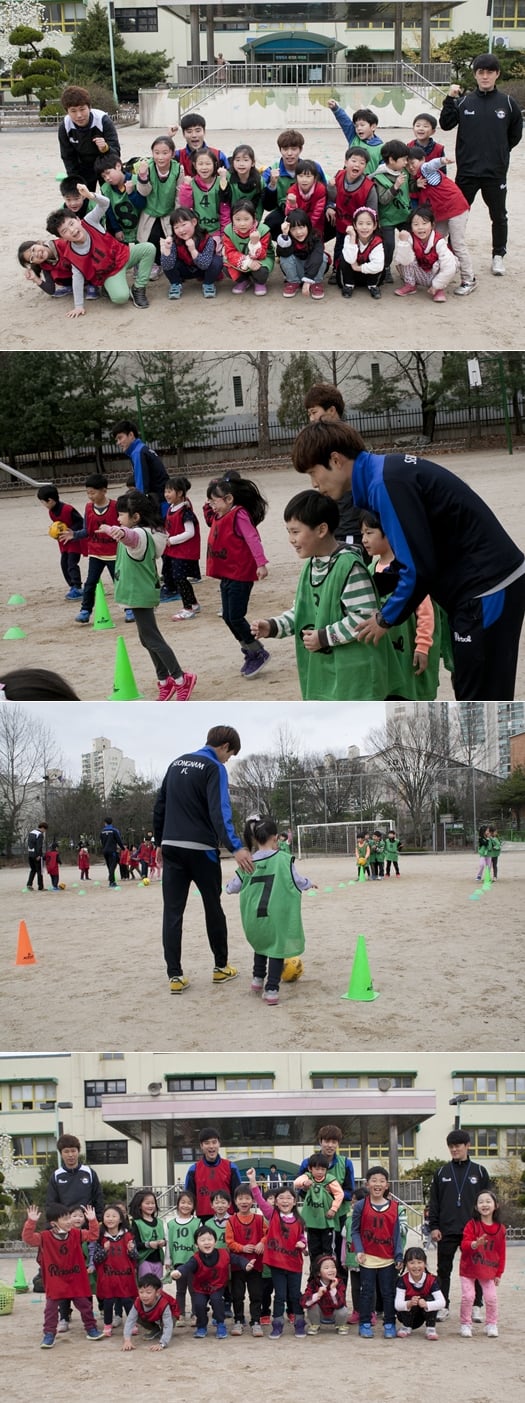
(56,1106)
(458,1101)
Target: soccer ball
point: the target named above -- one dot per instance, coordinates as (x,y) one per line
(145,881)
(56,529)
(61,886)
(292,969)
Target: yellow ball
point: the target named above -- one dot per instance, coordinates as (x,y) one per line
(292,969)
(145,881)
(61,886)
(56,529)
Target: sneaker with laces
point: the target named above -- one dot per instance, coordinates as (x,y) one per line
(465,288)
(257,1330)
(430,1332)
(83,617)
(48,1341)
(271,997)
(238,1328)
(62,292)
(209,290)
(254,663)
(94,1334)
(138,296)
(174,292)
(342,1330)
(366,1332)
(257,985)
(497,265)
(222,1332)
(167,689)
(276,1330)
(347,290)
(291,289)
(168,596)
(62,1327)
(403,1332)
(466,1331)
(221,976)
(477,1315)
(184,614)
(178,984)
(200,1333)
(107,1331)
(317,291)
(443,1314)
(375,292)
(405,291)
(491,1331)
(185,688)
(73,593)
(389,1331)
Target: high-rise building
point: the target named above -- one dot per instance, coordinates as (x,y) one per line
(105,766)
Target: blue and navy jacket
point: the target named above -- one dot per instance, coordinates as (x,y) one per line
(192,808)
(148,470)
(110,839)
(448,542)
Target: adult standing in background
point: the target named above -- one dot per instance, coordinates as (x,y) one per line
(111,843)
(35,854)
(453,1194)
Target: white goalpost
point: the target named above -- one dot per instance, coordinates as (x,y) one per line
(334,839)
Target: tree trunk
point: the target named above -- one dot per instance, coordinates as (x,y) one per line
(428,412)
(263,372)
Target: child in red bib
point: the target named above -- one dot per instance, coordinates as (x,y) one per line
(283,1252)
(63,1266)
(482,1259)
(153,1308)
(207,1274)
(236,557)
(418,1296)
(115,1257)
(377,1240)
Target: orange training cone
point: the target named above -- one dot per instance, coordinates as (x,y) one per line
(360,988)
(124,685)
(24,954)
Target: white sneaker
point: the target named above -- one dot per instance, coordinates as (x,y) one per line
(491,1331)
(498,266)
(477,1315)
(466,1331)
(62,1327)
(464,288)
(443,1314)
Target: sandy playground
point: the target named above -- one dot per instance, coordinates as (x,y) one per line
(374,1371)
(30,321)
(430,935)
(86,657)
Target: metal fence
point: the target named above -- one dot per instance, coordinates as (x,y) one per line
(314,72)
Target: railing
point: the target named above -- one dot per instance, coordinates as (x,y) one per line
(13,117)
(310,72)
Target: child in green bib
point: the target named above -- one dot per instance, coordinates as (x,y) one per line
(270,906)
(141,540)
(147,1232)
(181,1243)
(319,1208)
(334,593)
(415,643)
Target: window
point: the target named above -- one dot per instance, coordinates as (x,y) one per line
(379,1149)
(26,1096)
(94,1090)
(509,14)
(66,17)
(516,1140)
(484,1141)
(107,1151)
(34,1148)
(478,1088)
(515,1088)
(248,1083)
(137,21)
(397,1082)
(191,1083)
(335,1083)
(442,21)
(238,398)
(111,1057)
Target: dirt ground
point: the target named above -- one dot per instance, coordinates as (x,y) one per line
(240,1368)
(430,935)
(490,317)
(87,657)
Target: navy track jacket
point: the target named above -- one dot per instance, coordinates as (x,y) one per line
(193,808)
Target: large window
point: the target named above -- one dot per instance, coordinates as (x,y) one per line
(379,1149)
(484,1141)
(66,17)
(248,1083)
(137,20)
(331,1083)
(191,1083)
(509,14)
(515,1140)
(107,1151)
(397,1082)
(515,1088)
(94,1090)
(478,1088)
(26,1096)
(33,1148)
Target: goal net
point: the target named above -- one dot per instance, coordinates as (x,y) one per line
(332,839)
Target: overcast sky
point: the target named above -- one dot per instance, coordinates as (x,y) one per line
(152,734)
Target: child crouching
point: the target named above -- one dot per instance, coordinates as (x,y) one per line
(418,1296)
(423,257)
(324,1300)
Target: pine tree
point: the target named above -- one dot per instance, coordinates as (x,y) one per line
(300,374)
(89,58)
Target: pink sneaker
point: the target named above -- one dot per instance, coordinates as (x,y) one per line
(257,985)
(439,296)
(405,291)
(271,996)
(260,289)
(353,1319)
(290,289)
(107,1331)
(167,689)
(241,286)
(185,688)
(317,291)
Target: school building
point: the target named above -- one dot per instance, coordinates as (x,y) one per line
(138,1115)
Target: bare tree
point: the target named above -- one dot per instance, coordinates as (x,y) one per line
(405,753)
(27,749)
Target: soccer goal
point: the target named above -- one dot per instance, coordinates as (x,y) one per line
(332,839)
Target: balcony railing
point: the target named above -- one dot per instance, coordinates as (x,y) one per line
(311,74)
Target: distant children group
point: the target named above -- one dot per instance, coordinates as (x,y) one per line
(192,213)
(237,1251)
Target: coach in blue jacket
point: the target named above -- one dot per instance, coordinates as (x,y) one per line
(447,543)
(192,820)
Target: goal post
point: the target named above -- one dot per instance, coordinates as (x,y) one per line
(327,839)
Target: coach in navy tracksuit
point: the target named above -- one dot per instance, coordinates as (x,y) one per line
(448,544)
(111,844)
(192,819)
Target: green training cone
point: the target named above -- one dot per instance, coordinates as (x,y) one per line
(16,599)
(487,880)
(124,685)
(14,633)
(20,1283)
(360,988)
(103,617)
(362,874)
